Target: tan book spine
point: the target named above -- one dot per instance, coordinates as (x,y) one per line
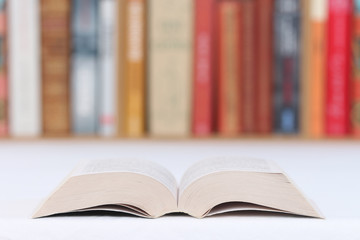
(134,67)
(55,53)
(120,60)
(170,67)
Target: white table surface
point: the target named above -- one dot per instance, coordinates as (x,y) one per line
(328,172)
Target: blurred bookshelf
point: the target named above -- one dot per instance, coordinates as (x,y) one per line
(232,70)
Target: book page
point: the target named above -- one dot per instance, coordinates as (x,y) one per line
(146,168)
(221,164)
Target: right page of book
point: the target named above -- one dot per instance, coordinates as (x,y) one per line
(221,164)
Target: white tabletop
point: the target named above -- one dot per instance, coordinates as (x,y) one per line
(326,171)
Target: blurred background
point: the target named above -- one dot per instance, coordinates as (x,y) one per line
(190,68)
(184,78)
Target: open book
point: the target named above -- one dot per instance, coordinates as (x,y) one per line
(146,189)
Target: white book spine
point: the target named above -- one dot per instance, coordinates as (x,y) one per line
(318,10)
(107,10)
(24,68)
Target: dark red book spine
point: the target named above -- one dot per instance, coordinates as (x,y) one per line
(263,64)
(203,67)
(248,63)
(337,116)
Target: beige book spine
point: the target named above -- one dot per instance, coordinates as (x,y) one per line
(170,67)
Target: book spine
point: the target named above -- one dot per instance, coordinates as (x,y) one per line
(24,68)
(203,67)
(3,71)
(170,67)
(84,67)
(263,59)
(119,63)
(286,75)
(337,119)
(248,62)
(106,46)
(55,62)
(355,108)
(229,14)
(306,58)
(318,16)
(134,67)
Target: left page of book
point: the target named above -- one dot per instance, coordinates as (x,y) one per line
(138,166)
(84,75)
(131,186)
(24,71)
(4,124)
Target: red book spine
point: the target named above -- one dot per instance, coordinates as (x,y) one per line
(355,110)
(263,60)
(203,67)
(337,116)
(248,62)
(3,74)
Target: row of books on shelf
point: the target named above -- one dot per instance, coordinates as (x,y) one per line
(179,68)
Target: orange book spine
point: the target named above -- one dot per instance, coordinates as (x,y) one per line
(229,108)
(55,57)
(318,14)
(134,68)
